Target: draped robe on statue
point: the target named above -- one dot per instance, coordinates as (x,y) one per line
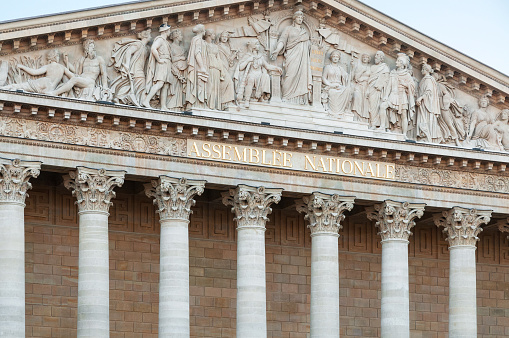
(297,77)
(196,91)
(429,111)
(377,86)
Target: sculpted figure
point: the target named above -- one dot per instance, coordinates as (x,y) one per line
(502,127)
(54,73)
(198,74)
(297,80)
(176,98)
(220,90)
(428,108)
(377,87)
(159,73)
(258,28)
(335,92)
(128,58)
(228,55)
(451,118)
(90,78)
(360,77)
(400,95)
(254,81)
(481,130)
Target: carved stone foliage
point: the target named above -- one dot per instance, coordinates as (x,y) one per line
(93,188)
(395,219)
(46,131)
(324,212)
(14,177)
(174,196)
(251,205)
(462,225)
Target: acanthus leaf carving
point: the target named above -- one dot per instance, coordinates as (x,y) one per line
(251,205)
(14,179)
(462,225)
(395,219)
(93,188)
(324,212)
(174,196)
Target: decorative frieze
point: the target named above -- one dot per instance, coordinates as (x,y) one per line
(14,177)
(324,212)
(251,205)
(93,188)
(395,219)
(462,225)
(174,196)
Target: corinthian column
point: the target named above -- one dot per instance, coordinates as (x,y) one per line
(324,213)
(174,199)
(14,176)
(251,207)
(93,189)
(462,227)
(395,220)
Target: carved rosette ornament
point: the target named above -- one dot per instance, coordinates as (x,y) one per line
(93,188)
(395,219)
(251,205)
(174,196)
(14,176)
(462,225)
(324,212)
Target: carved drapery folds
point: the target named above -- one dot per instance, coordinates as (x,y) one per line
(395,219)
(93,188)
(251,205)
(14,177)
(462,225)
(174,196)
(324,212)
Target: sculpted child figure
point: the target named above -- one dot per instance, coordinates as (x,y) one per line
(54,73)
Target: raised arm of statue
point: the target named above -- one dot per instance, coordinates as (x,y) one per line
(33,72)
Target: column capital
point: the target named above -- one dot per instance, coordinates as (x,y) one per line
(503,225)
(462,225)
(14,176)
(174,196)
(251,205)
(324,212)
(395,219)
(93,188)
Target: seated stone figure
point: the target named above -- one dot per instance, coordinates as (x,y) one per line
(53,74)
(502,128)
(335,92)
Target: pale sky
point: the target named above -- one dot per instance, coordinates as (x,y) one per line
(476,28)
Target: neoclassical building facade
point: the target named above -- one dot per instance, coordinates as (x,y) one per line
(270,168)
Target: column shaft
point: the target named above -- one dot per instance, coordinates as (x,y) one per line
(93,276)
(395,298)
(174,279)
(462,292)
(12,269)
(324,286)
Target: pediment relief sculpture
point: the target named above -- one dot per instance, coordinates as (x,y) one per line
(280,58)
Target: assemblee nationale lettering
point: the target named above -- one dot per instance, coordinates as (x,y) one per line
(290,160)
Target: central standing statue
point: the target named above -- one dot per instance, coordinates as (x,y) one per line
(297,80)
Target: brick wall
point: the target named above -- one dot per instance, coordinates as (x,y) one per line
(52,272)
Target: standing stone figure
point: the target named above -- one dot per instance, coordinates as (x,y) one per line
(428,108)
(360,77)
(481,130)
(176,97)
(228,55)
(159,75)
(335,92)
(128,58)
(450,120)
(297,80)
(198,74)
(90,80)
(54,73)
(502,127)
(377,86)
(400,96)
(254,80)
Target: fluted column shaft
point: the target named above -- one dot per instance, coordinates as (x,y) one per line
(93,189)
(14,176)
(174,198)
(324,213)
(251,207)
(395,220)
(462,227)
